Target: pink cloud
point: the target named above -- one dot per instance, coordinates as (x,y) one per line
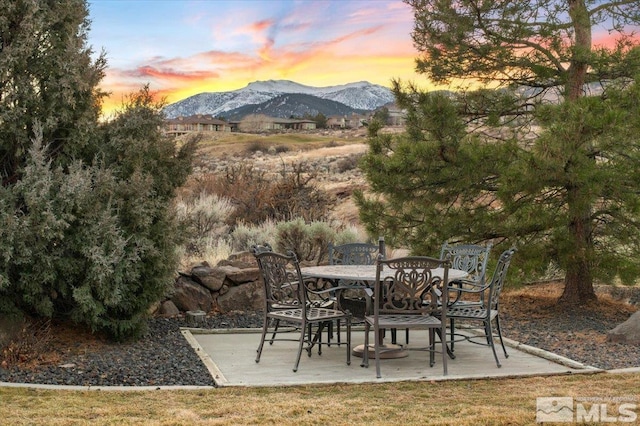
(170,74)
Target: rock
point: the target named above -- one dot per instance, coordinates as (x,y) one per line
(223,290)
(191,296)
(246,297)
(242,260)
(211,278)
(239,276)
(627,332)
(168,309)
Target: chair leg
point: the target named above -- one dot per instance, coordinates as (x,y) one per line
(264,334)
(452,332)
(487,327)
(365,354)
(443,340)
(432,347)
(378,341)
(329,333)
(500,336)
(317,339)
(300,345)
(275,331)
(348,340)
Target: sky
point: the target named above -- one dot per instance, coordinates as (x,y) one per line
(185,47)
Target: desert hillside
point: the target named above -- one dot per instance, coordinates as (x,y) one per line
(332,155)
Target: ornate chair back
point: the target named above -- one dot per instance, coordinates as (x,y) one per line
(497,280)
(354,254)
(472,258)
(282,280)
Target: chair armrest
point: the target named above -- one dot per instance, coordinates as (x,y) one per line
(458,289)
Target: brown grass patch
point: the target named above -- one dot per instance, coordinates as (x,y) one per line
(464,403)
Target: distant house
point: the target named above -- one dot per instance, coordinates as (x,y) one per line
(195,124)
(352,121)
(260,123)
(336,122)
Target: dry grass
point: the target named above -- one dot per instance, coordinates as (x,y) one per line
(240,144)
(475,402)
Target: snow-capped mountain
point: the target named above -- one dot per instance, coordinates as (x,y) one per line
(358,96)
(292,104)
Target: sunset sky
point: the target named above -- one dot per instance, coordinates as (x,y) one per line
(184,47)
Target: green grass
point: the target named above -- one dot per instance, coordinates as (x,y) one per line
(465,402)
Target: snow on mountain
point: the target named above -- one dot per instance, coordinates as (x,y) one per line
(360,95)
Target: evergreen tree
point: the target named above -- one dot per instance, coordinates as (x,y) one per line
(86,213)
(48,78)
(537,159)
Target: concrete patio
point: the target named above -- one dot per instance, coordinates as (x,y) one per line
(230,357)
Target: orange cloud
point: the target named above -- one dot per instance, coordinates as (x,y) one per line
(171,75)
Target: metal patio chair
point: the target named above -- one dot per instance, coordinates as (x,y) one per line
(472,258)
(488,309)
(286,301)
(408,298)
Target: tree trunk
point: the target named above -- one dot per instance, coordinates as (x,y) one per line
(578,285)
(581,50)
(578,282)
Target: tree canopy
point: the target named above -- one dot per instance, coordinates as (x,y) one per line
(86,217)
(544,156)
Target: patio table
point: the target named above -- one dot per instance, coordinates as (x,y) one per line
(362,276)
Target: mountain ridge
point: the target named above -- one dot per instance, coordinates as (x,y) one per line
(357,97)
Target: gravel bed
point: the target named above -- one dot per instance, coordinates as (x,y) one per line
(164,358)
(577,336)
(161,358)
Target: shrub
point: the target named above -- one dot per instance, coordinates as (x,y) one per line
(309,241)
(255,146)
(348,163)
(245,236)
(202,218)
(96,243)
(279,149)
(28,345)
(211,249)
(259,196)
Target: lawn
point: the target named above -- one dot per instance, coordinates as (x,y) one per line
(465,402)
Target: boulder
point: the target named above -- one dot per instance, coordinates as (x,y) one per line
(242,260)
(627,332)
(211,278)
(238,276)
(168,309)
(191,296)
(245,297)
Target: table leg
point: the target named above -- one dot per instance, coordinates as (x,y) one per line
(387,350)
